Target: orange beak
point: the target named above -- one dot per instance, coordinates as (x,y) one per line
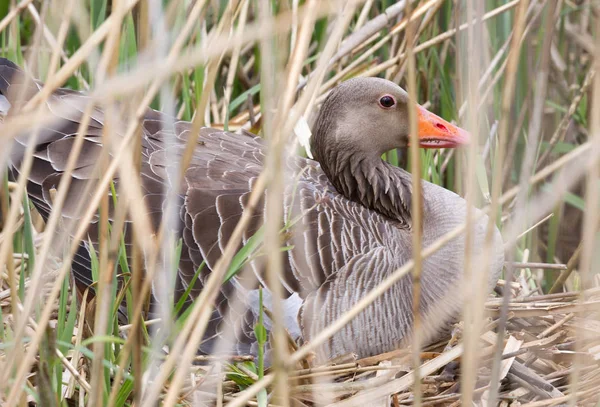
(435,132)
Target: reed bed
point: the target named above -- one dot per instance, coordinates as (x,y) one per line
(520,75)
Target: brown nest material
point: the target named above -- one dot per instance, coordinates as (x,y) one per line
(547,338)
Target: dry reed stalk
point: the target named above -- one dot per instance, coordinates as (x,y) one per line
(472,282)
(219,269)
(564,275)
(72,369)
(534,226)
(522,265)
(235,55)
(531,17)
(364,14)
(107,67)
(13,13)
(397,29)
(538,102)
(200,313)
(65,180)
(416,205)
(211,71)
(398,72)
(369,30)
(56,43)
(151,265)
(32,297)
(497,180)
(143,36)
(140,76)
(85,219)
(589,260)
(79,56)
(198,7)
(270,79)
(301,105)
(427,44)
(274,166)
(561,130)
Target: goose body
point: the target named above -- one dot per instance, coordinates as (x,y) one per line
(348,214)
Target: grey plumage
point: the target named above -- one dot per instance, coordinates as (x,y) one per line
(354,226)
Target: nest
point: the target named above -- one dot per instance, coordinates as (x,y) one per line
(549,353)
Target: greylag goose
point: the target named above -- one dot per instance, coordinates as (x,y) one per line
(355,223)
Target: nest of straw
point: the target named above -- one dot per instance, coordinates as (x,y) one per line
(547,340)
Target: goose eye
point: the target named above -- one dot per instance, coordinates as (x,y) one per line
(387,101)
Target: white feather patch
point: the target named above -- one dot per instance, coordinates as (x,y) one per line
(291,307)
(4,105)
(302,131)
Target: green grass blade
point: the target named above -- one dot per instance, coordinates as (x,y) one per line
(238,101)
(244,253)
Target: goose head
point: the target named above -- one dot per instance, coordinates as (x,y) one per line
(359,121)
(370,116)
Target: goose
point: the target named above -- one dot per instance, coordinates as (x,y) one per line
(354,225)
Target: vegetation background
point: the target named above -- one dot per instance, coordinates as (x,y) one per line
(520,75)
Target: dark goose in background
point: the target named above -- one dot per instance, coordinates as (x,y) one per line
(355,227)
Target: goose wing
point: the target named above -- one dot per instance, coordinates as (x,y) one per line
(323,231)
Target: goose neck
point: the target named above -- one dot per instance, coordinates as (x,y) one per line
(369,181)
